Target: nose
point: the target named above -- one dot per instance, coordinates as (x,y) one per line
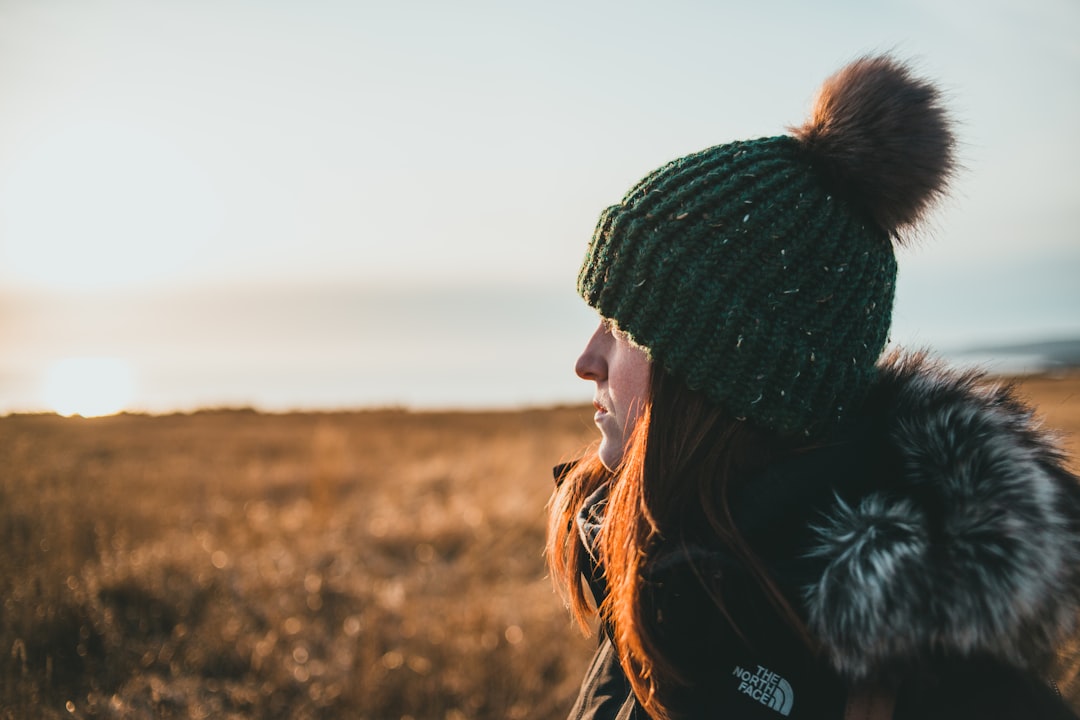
(591,364)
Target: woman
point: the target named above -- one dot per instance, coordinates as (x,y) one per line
(777,521)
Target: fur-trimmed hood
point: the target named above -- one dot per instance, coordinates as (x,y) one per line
(971,546)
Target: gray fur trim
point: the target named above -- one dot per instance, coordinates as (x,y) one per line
(976,550)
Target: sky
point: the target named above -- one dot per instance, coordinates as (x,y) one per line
(183,149)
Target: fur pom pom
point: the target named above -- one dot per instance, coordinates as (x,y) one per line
(882,139)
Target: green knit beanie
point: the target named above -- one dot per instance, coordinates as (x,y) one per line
(762,272)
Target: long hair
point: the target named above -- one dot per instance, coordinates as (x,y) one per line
(673,483)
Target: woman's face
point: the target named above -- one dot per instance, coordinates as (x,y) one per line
(621,371)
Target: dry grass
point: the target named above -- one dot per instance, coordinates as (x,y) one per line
(368,565)
(1057,399)
(374,565)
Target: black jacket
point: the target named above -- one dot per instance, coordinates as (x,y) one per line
(932,546)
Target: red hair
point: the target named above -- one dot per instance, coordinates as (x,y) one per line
(674,480)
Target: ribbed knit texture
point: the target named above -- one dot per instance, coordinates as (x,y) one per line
(743,275)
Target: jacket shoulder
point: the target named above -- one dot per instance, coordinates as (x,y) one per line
(978,688)
(972,548)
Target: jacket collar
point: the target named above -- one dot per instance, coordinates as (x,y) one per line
(973,548)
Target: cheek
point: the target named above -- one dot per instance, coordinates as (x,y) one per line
(636,374)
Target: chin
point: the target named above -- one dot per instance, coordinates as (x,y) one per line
(609,456)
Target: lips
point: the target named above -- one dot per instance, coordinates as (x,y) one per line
(599,406)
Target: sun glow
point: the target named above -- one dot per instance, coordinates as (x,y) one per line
(88,386)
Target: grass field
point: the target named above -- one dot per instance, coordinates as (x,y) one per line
(381,565)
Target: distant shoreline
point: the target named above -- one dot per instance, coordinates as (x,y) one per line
(1023,358)
(1046,354)
(1045,379)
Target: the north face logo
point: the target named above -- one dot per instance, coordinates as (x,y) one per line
(767,688)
